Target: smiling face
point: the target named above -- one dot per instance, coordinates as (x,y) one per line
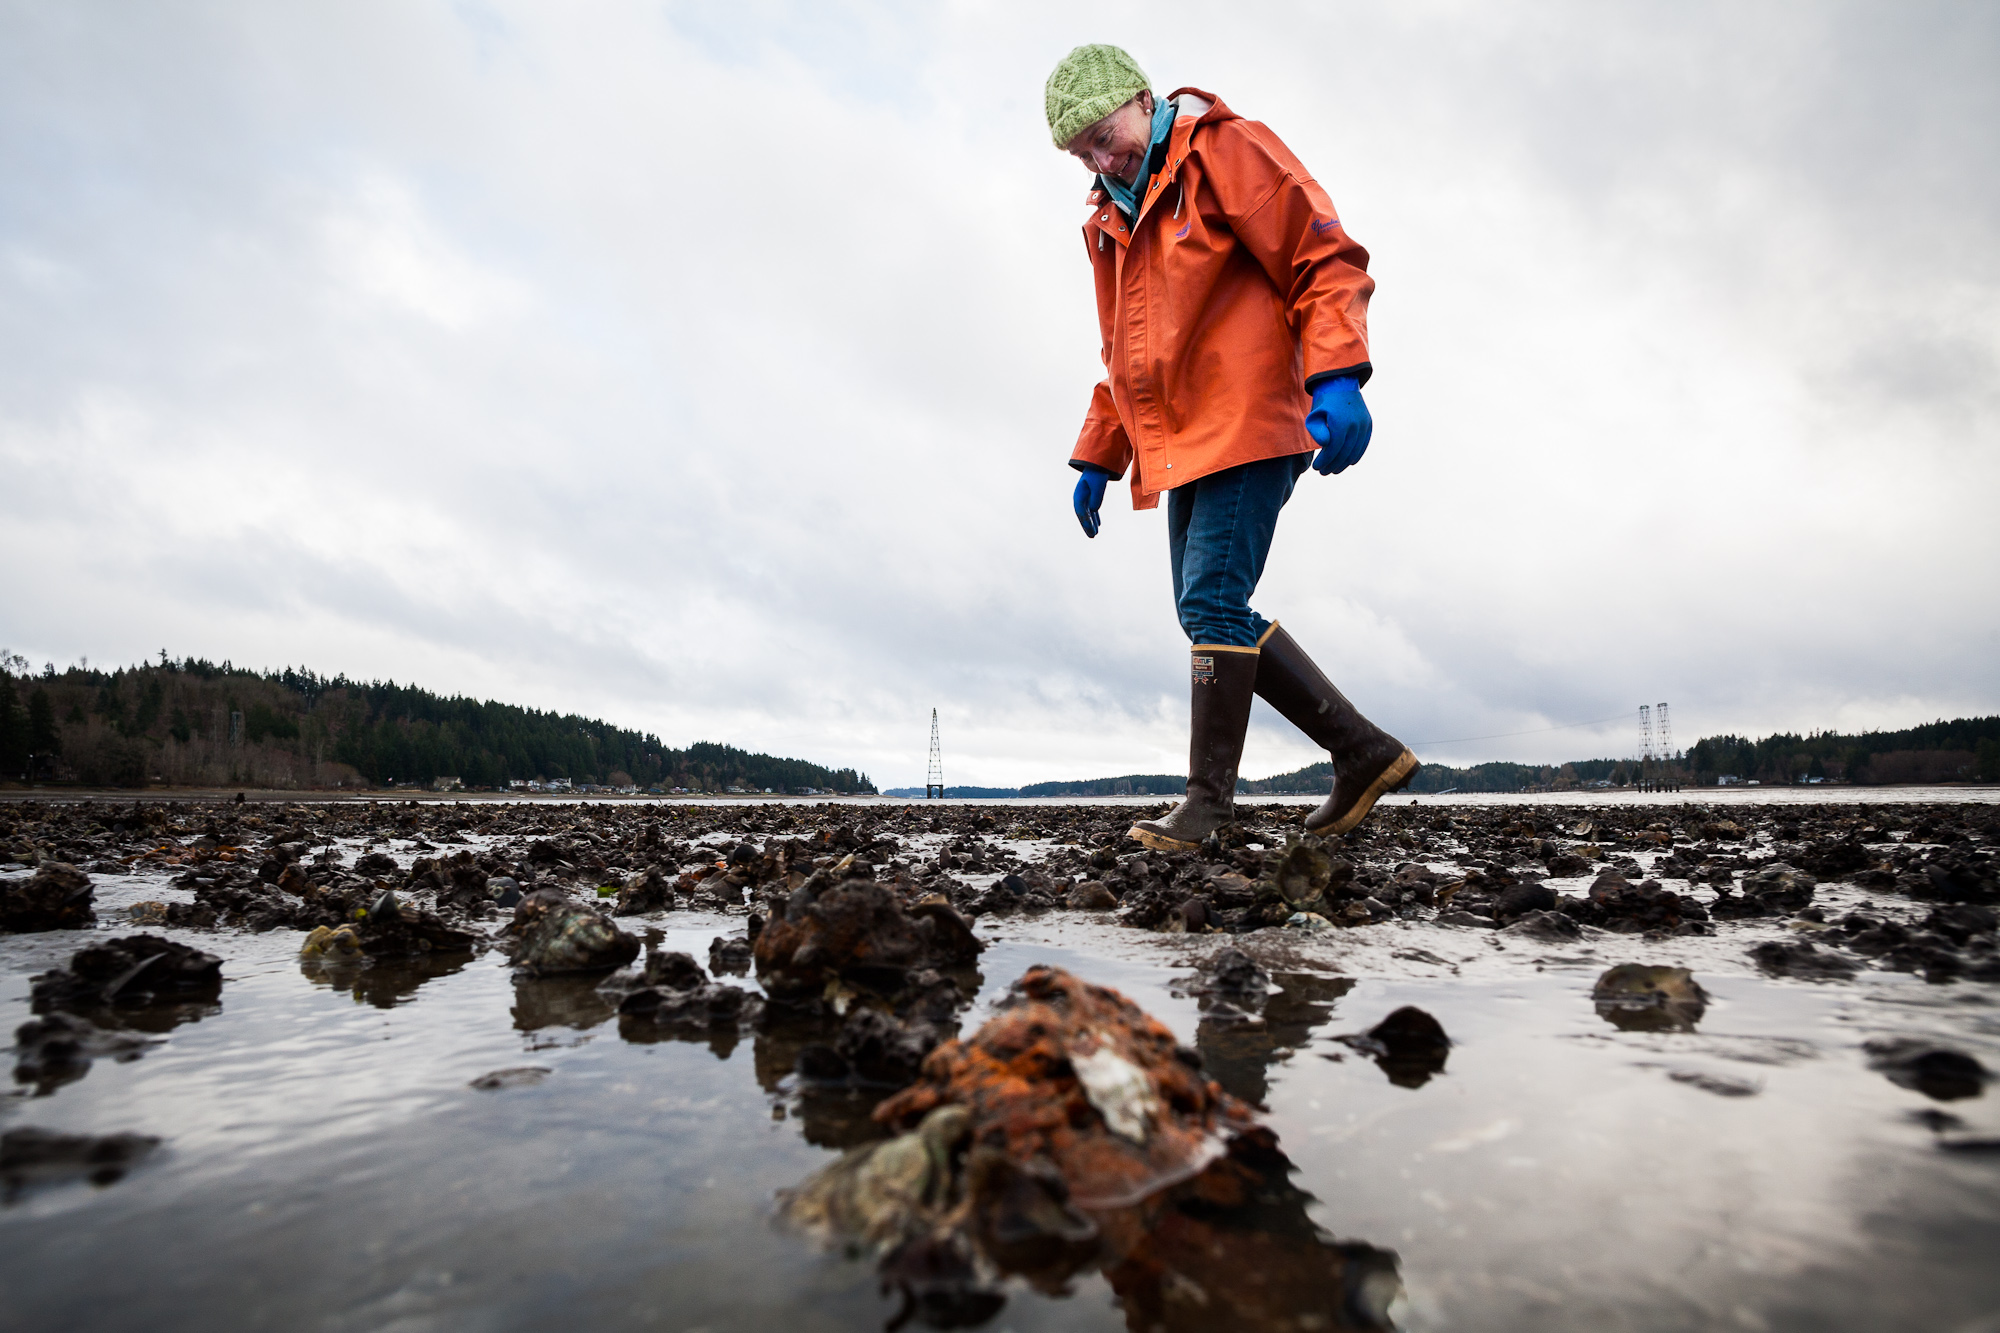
(1116,145)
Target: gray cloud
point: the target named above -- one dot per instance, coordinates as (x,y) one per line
(714,370)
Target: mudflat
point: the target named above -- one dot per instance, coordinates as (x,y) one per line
(1661,1064)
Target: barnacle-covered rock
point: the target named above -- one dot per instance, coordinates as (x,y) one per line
(1079,1077)
(883,1193)
(859,934)
(389,928)
(1071,1085)
(554,935)
(56,897)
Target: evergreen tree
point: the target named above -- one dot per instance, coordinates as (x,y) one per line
(13,731)
(44,737)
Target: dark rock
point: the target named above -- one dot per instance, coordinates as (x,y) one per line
(1554,927)
(132,972)
(1960,923)
(1091,896)
(377,863)
(1938,1072)
(1409,1046)
(1927,953)
(648,891)
(393,929)
(860,934)
(1958,877)
(1872,938)
(465,883)
(1798,959)
(1779,889)
(1523,899)
(704,1007)
(1615,903)
(1831,858)
(56,897)
(673,971)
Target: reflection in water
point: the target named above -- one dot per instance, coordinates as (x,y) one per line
(382,982)
(1239,1043)
(58,1048)
(1234,1248)
(560,1001)
(801,1053)
(641,1031)
(154,1019)
(831,1115)
(1231,1248)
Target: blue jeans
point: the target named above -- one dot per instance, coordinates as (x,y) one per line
(1219,531)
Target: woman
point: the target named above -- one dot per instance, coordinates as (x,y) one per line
(1233,307)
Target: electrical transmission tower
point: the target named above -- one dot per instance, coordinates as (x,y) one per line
(1645,742)
(934,784)
(1666,735)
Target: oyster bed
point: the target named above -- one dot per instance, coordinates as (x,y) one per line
(464,1114)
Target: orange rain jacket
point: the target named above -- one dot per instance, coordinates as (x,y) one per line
(1235,286)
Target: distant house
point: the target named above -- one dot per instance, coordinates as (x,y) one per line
(518,784)
(559,784)
(447,784)
(1728,780)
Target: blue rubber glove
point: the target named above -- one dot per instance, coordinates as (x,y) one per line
(1089,496)
(1339,420)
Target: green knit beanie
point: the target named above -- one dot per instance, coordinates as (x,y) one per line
(1090,84)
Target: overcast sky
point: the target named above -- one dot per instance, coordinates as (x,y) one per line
(713,368)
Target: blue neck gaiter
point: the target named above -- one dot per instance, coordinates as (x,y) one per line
(1128,197)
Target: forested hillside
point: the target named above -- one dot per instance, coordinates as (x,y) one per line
(1964,748)
(1132,784)
(194,723)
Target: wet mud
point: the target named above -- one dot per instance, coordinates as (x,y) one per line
(851,1066)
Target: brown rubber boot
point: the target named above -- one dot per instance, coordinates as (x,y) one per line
(1224,682)
(1368,763)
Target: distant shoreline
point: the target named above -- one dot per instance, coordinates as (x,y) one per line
(1941,793)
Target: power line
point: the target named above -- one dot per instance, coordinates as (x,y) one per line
(1505,735)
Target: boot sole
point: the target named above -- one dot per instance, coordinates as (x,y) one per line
(1393,778)
(1160,842)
